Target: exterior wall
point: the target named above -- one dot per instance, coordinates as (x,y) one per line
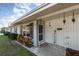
(7,29)
(26,30)
(68,36)
(18,30)
(15,29)
(12,30)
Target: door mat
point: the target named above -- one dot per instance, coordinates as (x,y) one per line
(71,52)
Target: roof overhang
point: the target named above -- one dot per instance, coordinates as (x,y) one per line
(32,13)
(45,10)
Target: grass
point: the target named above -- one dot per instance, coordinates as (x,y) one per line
(10,48)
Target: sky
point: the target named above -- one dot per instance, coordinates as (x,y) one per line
(10,12)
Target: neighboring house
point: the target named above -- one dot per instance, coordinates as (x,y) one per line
(52,23)
(0,29)
(3,29)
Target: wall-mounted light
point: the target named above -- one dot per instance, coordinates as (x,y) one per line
(49,24)
(73,19)
(64,20)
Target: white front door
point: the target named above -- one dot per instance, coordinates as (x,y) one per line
(59,37)
(40,32)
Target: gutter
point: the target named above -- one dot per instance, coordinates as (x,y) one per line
(20,19)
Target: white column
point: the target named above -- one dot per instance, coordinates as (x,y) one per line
(18,30)
(13,31)
(35,33)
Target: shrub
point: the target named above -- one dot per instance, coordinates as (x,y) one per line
(12,36)
(2,31)
(6,33)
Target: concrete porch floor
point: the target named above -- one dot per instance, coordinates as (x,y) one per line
(50,50)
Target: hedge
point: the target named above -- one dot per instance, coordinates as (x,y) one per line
(12,36)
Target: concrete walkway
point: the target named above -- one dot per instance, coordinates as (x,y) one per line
(51,50)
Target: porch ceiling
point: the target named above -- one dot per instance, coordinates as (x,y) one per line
(46,11)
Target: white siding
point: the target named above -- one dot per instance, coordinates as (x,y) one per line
(13,30)
(49,31)
(68,36)
(18,30)
(49,36)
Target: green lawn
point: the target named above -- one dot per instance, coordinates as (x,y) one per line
(10,48)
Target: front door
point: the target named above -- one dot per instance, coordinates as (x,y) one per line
(40,28)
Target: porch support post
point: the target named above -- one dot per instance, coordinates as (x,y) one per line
(18,30)
(35,34)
